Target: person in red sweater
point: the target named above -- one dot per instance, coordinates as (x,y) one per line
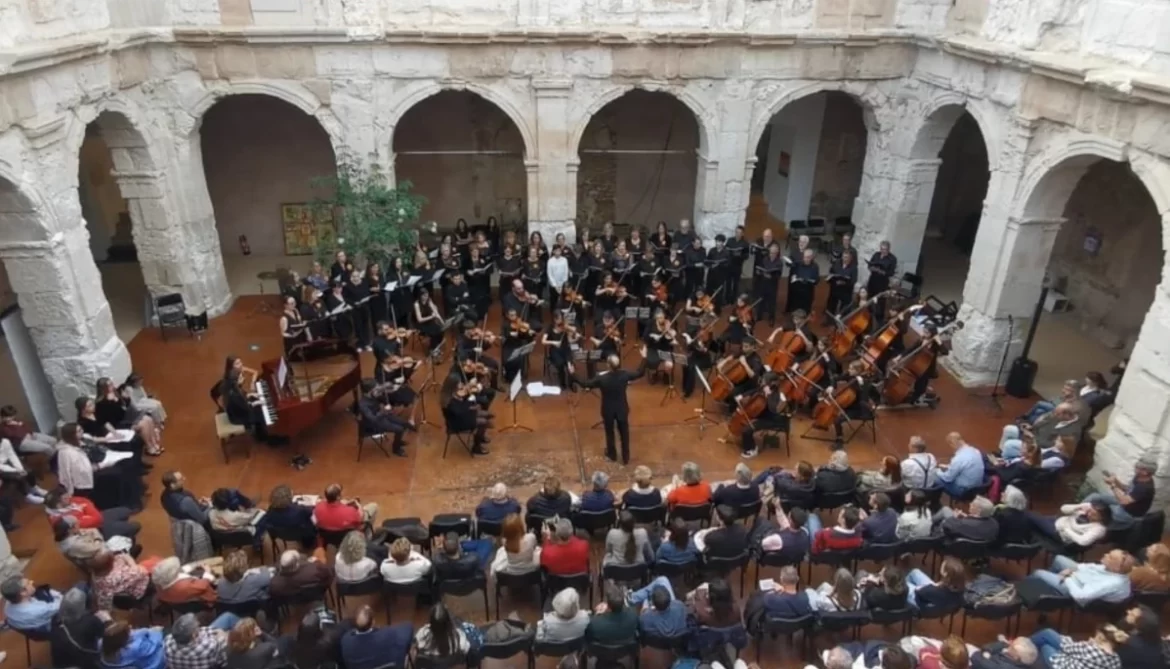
(563,552)
(951,653)
(333,514)
(113,522)
(843,537)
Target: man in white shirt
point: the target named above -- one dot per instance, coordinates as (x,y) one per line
(919,469)
(405,565)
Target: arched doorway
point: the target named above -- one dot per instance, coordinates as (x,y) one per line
(465,155)
(639,163)
(809,161)
(261,157)
(950,169)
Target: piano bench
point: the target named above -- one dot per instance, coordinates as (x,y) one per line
(226,430)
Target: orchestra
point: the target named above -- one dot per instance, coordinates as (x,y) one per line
(573,301)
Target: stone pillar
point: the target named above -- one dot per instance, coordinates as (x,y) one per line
(914,190)
(60,294)
(194,263)
(552,177)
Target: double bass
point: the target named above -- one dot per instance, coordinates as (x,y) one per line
(904,374)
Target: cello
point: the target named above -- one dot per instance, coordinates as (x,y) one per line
(902,375)
(876,347)
(805,377)
(834,404)
(853,325)
(727,379)
(792,344)
(746,411)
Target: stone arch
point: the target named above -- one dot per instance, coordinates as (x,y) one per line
(704,118)
(412,95)
(941,115)
(294,94)
(26,218)
(1050,178)
(865,96)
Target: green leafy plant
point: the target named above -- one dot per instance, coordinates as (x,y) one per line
(374,221)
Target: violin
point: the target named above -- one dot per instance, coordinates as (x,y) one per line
(571,296)
(744,315)
(622,292)
(665,328)
(481,335)
(563,327)
(661,294)
(613,332)
(706,304)
(521,326)
(474,369)
(467,389)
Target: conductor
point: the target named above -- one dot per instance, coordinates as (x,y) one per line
(615,410)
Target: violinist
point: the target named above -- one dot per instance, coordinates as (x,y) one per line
(740,322)
(842,278)
(386,343)
(660,243)
(376,281)
(293,330)
(899,321)
(608,239)
(701,346)
(427,318)
(341,268)
(458,297)
(357,296)
(466,368)
(674,270)
(472,344)
(774,417)
(525,304)
(610,340)
(621,261)
(463,411)
(393,377)
(657,299)
(660,339)
(718,264)
(558,342)
(517,333)
(699,308)
(479,277)
(766,280)
(605,297)
(737,248)
(335,304)
(533,274)
(862,409)
(376,418)
(802,283)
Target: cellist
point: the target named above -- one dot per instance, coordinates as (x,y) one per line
(801,328)
(752,364)
(923,394)
(900,320)
(862,409)
(774,417)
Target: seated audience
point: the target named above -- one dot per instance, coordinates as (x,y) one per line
(108,484)
(613,622)
(665,616)
(565,621)
(1015,527)
(174,585)
(453,563)
(843,536)
(886,590)
(28,607)
(920,468)
(286,517)
(836,476)
(76,636)
(13,472)
(405,564)
(741,493)
(840,595)
(950,654)
(180,503)
(720,624)
(880,525)
(883,478)
(550,501)
(1129,502)
(564,553)
(1068,419)
(838,658)
(964,472)
(627,544)
(728,539)
(368,647)
(1097,652)
(690,489)
(1078,524)
(497,505)
(915,521)
(124,648)
(1153,575)
(598,497)
(797,487)
(1143,649)
(298,574)
(352,563)
(334,514)
(1019,653)
(192,646)
(946,593)
(518,552)
(21,435)
(316,644)
(76,544)
(240,583)
(677,548)
(113,522)
(443,636)
(228,515)
(787,599)
(249,647)
(976,524)
(784,533)
(117,574)
(643,494)
(1107,580)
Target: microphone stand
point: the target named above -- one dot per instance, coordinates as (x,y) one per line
(428,383)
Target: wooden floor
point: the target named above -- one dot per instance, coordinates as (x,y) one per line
(562,442)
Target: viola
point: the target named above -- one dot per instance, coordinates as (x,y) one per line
(571,296)
(474,369)
(521,326)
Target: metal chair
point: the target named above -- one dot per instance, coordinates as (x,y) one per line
(463,587)
(777,559)
(1155,600)
(488,528)
(591,521)
(464,437)
(966,549)
(676,645)
(171,312)
(723,566)
(677,573)
(372,585)
(444,523)
(583,582)
(1051,603)
(938,613)
(878,552)
(693,513)
(332,538)
(247,609)
(828,501)
(195,606)
(514,582)
(774,627)
(749,511)
(1017,553)
(971,494)
(648,515)
(832,559)
(843,621)
(927,547)
(993,612)
(612,654)
(284,536)
(364,435)
(509,649)
(305,596)
(127,603)
(222,541)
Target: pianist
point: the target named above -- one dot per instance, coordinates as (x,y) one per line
(244,409)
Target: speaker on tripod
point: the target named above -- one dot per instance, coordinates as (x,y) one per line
(1023,371)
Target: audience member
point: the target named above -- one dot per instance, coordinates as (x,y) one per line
(613,622)
(286,517)
(368,647)
(740,493)
(334,514)
(677,548)
(976,524)
(550,501)
(880,525)
(1153,575)
(1078,524)
(786,599)
(405,564)
(240,583)
(627,544)
(643,494)
(518,552)
(117,574)
(690,489)
(796,487)
(665,617)
(21,435)
(1129,502)
(1015,527)
(886,590)
(28,607)
(836,476)
(783,533)
(442,637)
(123,648)
(453,563)
(249,647)
(352,563)
(565,621)
(497,505)
(1068,391)
(920,468)
(964,473)
(944,594)
(1107,580)
(192,646)
(1068,419)
(843,536)
(113,522)
(1098,652)
(840,595)
(227,514)
(883,478)
(76,636)
(914,522)
(315,645)
(950,654)
(180,503)
(174,585)
(728,539)
(563,553)
(598,498)
(1019,653)
(76,544)
(298,574)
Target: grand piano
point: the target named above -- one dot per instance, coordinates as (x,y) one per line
(298,394)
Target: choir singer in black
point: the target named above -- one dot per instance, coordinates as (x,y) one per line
(615,409)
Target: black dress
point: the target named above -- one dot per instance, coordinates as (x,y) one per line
(354,294)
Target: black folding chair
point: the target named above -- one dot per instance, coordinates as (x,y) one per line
(610,655)
(966,550)
(444,523)
(509,649)
(723,566)
(463,587)
(488,528)
(993,612)
(305,596)
(927,547)
(465,438)
(676,645)
(634,573)
(125,602)
(693,513)
(332,538)
(514,582)
(1018,553)
(648,515)
(413,589)
(879,553)
(591,521)
(843,621)
(828,501)
(902,617)
(195,606)
(832,559)
(749,511)
(778,559)
(582,583)
(557,649)
(677,573)
(241,539)
(939,613)
(372,585)
(284,536)
(1155,600)
(770,628)
(248,609)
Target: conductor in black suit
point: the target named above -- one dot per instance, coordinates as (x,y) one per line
(615,410)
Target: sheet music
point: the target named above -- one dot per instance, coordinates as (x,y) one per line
(341,308)
(281,374)
(392,285)
(538,389)
(517,385)
(414,278)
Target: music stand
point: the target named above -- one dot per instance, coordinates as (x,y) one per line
(428,383)
(679,360)
(514,391)
(701,412)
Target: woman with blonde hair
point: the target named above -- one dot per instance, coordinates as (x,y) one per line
(250,648)
(643,494)
(518,552)
(840,595)
(1153,575)
(405,564)
(352,563)
(240,583)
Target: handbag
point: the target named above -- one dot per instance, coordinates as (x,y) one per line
(95,452)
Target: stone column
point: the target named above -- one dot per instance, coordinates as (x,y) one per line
(552,177)
(60,294)
(914,190)
(194,263)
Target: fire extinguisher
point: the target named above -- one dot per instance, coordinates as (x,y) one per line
(247,250)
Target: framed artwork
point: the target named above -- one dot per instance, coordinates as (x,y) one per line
(784,165)
(305,230)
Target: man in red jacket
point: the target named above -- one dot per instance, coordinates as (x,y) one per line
(334,514)
(843,537)
(113,522)
(564,553)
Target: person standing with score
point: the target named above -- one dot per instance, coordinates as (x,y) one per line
(615,408)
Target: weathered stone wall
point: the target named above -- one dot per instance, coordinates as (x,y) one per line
(840,158)
(961,184)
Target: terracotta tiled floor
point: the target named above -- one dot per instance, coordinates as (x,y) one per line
(181,371)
